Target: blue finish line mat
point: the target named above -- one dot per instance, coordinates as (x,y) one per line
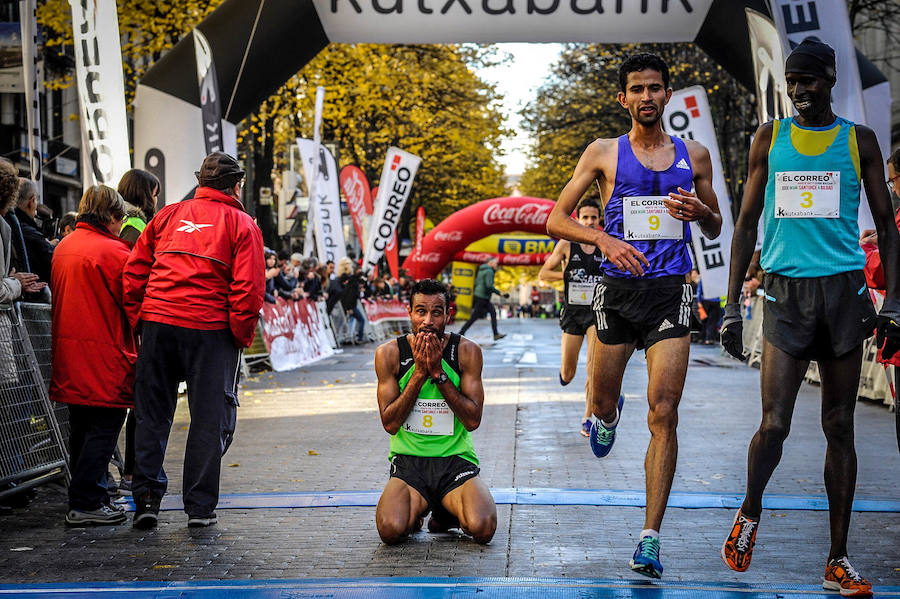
(425,588)
(526,496)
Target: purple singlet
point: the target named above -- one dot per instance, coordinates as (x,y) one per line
(666,256)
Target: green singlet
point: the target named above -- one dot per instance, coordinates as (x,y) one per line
(432,430)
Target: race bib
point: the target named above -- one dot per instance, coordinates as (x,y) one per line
(646,218)
(581,293)
(808,194)
(430,417)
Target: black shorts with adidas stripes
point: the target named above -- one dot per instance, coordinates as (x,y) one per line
(642,311)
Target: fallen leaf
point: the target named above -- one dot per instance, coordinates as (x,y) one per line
(269,390)
(256,401)
(337,380)
(297,480)
(248,393)
(311,452)
(324,382)
(184,428)
(235,465)
(163,566)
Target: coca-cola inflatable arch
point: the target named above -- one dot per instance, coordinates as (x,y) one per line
(454,233)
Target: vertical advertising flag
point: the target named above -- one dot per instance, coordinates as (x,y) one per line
(394,188)
(772,101)
(101,92)
(420,234)
(324,201)
(210,107)
(688,116)
(28,16)
(310,169)
(828,21)
(359,198)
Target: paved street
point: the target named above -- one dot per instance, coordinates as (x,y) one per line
(317,430)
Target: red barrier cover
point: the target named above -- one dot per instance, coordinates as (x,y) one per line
(295,333)
(385,310)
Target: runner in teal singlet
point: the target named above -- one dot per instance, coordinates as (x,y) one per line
(804,179)
(430,397)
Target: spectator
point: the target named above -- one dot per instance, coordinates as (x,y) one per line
(67,224)
(13,283)
(140,190)
(271,272)
(350,284)
(93,350)
(38,251)
(312,286)
(196,292)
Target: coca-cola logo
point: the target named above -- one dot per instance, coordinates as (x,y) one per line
(475,256)
(526,214)
(431,257)
(517,259)
(448,236)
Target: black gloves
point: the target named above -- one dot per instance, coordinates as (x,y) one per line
(887,328)
(733,331)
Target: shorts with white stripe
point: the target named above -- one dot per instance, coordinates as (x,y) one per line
(642,311)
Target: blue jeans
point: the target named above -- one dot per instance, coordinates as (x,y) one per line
(356,315)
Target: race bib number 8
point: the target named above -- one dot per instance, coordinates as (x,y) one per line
(580,293)
(430,417)
(808,194)
(646,218)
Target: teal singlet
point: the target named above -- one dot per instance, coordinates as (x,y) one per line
(812,201)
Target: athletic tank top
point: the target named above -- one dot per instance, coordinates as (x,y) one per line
(432,430)
(811,224)
(667,257)
(582,273)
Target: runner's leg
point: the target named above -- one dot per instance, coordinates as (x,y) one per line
(667,362)
(568,362)
(591,336)
(606,372)
(781,375)
(473,504)
(398,511)
(840,382)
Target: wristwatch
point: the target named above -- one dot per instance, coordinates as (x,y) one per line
(441,379)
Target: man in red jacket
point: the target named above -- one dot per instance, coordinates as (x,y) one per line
(194,284)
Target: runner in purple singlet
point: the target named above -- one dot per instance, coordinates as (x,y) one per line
(643,300)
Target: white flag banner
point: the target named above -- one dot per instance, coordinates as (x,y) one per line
(101,92)
(307,174)
(210,106)
(828,21)
(688,116)
(772,101)
(325,200)
(28,16)
(394,188)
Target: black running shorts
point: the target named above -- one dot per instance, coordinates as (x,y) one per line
(433,478)
(576,320)
(817,318)
(642,311)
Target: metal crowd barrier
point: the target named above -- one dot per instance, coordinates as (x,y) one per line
(32,446)
(874,381)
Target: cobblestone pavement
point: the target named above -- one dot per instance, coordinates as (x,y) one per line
(317,429)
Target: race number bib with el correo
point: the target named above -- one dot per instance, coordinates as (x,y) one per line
(808,194)
(581,293)
(430,417)
(646,218)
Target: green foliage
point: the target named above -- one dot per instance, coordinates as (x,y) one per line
(578,104)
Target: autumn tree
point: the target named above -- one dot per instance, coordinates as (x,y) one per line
(577,104)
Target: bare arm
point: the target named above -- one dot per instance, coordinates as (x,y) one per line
(701,206)
(559,257)
(393,404)
(467,402)
(562,226)
(880,205)
(744,241)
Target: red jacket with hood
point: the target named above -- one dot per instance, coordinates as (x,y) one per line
(93,348)
(199,265)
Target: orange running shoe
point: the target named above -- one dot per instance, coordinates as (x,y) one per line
(738,547)
(841,576)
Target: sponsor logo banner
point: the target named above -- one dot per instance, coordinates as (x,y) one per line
(295,333)
(27,12)
(101,92)
(359,198)
(325,205)
(505,259)
(393,190)
(385,310)
(210,106)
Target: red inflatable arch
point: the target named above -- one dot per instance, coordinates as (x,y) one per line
(454,233)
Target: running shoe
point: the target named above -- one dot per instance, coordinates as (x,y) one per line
(124,487)
(499,336)
(602,438)
(202,521)
(102,516)
(843,577)
(646,558)
(563,382)
(586,427)
(738,547)
(146,511)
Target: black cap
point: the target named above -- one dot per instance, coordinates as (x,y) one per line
(216,167)
(812,57)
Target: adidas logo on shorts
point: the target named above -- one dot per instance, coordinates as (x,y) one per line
(682,164)
(665,325)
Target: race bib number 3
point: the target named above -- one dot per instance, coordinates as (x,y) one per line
(646,218)
(808,194)
(430,417)
(580,293)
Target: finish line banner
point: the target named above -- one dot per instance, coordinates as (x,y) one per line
(295,334)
